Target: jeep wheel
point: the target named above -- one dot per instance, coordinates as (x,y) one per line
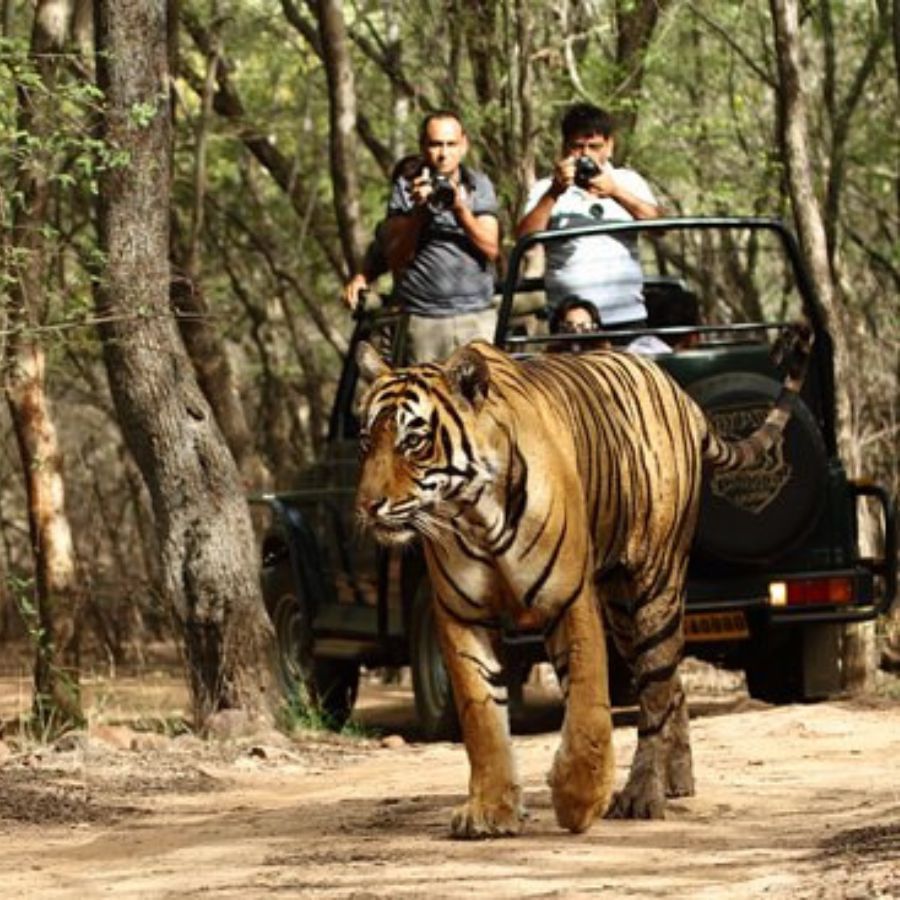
(431,684)
(327,686)
(336,687)
(759,514)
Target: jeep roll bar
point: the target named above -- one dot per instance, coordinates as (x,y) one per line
(823,354)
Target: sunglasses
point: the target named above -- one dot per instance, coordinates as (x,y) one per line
(577,327)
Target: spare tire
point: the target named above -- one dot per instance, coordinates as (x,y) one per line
(758,514)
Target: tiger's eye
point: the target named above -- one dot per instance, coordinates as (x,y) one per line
(412,442)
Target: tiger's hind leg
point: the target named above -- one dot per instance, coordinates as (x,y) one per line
(676,734)
(581,778)
(650,637)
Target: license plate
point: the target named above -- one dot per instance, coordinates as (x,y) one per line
(717,626)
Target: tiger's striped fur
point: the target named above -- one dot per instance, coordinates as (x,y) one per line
(545,490)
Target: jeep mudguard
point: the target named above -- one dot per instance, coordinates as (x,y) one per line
(760,514)
(794,664)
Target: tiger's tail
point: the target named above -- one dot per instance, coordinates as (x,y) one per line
(793,347)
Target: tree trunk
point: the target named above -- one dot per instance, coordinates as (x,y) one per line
(204,345)
(858,659)
(57,584)
(216,378)
(893,623)
(635,24)
(342,130)
(209,561)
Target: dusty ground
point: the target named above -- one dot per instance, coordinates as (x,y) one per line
(799,801)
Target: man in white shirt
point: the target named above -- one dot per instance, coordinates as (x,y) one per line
(587,188)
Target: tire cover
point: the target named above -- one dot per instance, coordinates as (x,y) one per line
(760,513)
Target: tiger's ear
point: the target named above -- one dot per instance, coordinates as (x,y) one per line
(468,375)
(370,363)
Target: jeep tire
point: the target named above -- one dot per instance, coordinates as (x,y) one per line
(329,686)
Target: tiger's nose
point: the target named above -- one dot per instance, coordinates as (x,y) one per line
(370,506)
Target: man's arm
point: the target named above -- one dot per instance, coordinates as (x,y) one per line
(538,217)
(606,185)
(407,216)
(402,234)
(483,231)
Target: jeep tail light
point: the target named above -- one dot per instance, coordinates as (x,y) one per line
(810,592)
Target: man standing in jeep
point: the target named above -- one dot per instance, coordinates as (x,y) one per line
(443,237)
(585,189)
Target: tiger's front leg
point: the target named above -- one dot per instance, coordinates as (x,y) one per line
(494,807)
(581,778)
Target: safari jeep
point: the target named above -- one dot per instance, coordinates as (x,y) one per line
(776,568)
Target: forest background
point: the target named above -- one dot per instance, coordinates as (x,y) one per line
(253,142)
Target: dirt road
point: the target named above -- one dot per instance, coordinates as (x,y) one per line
(800,801)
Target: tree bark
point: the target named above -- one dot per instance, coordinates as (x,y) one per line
(858,658)
(57,583)
(841,110)
(342,130)
(209,560)
(635,24)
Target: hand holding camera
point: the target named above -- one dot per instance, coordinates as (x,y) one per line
(586,170)
(437,191)
(577,170)
(443,193)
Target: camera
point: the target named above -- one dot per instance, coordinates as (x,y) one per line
(443,193)
(585,170)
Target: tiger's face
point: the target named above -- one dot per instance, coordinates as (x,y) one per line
(419,465)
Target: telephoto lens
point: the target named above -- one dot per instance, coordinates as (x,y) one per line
(443,193)
(585,170)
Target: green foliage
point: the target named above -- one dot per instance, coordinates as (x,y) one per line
(142,115)
(51,714)
(49,720)
(64,147)
(298,713)
(171,726)
(48,134)
(22,591)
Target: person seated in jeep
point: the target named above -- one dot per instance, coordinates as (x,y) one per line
(576,316)
(674,309)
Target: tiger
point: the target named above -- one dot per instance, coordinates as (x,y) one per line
(559,492)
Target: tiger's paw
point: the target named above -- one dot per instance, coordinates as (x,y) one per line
(580,788)
(642,798)
(476,820)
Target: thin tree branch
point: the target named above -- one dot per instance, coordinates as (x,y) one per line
(720,30)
